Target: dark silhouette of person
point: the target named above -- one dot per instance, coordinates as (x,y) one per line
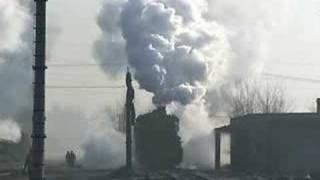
(68,158)
(73,159)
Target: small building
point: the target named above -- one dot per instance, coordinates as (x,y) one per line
(273,143)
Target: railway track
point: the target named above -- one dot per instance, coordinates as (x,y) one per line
(198,176)
(184,175)
(84,174)
(170,176)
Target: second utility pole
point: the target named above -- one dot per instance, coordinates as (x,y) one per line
(130,118)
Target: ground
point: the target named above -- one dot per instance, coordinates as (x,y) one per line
(58,171)
(81,174)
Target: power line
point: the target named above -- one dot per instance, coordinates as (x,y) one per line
(315,81)
(86,65)
(85,87)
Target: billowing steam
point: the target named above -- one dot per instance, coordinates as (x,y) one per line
(174,50)
(184,52)
(248,24)
(171,47)
(111,47)
(15,63)
(104,146)
(9,131)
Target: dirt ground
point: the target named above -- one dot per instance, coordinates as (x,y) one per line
(59,171)
(80,174)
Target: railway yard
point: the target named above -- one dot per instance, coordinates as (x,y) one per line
(59,171)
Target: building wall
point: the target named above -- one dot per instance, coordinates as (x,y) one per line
(276,143)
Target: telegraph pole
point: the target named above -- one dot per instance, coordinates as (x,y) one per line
(36,171)
(130,118)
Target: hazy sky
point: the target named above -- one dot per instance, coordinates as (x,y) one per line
(74,45)
(77,109)
(292,50)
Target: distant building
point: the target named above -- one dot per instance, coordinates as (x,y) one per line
(276,143)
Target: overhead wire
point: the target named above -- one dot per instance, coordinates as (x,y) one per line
(84,87)
(123,87)
(294,78)
(84,65)
(69,75)
(67,65)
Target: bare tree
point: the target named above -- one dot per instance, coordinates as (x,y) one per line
(117,115)
(313,107)
(249,97)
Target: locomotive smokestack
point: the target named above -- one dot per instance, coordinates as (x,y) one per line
(38,119)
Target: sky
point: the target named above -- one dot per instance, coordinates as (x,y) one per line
(292,50)
(73,43)
(77,33)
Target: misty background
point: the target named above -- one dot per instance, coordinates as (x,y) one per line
(258,38)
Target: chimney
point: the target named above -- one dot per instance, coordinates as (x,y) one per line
(318,105)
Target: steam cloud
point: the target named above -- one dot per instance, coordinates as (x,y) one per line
(15,62)
(171,47)
(104,146)
(181,48)
(9,131)
(186,53)
(174,49)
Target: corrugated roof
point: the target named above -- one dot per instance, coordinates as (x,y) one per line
(317,115)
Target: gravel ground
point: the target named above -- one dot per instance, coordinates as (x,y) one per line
(82,174)
(56,171)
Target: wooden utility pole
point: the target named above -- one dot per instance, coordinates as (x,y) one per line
(130,118)
(217,149)
(36,171)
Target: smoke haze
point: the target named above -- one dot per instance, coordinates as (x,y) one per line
(16,62)
(187,53)
(104,146)
(9,131)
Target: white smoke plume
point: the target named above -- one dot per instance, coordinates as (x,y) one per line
(13,18)
(196,131)
(173,51)
(250,26)
(16,61)
(187,52)
(9,131)
(104,146)
(110,48)
(59,137)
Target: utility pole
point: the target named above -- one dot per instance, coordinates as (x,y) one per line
(36,171)
(130,118)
